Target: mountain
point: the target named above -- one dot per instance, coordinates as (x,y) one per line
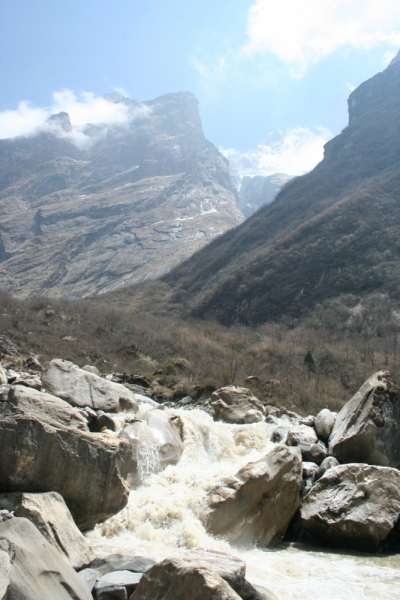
(334,230)
(83,212)
(259,190)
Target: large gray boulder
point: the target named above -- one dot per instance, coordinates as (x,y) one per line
(80,388)
(324,422)
(257,504)
(156,443)
(232,404)
(45,407)
(36,570)
(366,429)
(173,579)
(353,506)
(88,469)
(230,568)
(49,513)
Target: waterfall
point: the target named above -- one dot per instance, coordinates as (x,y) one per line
(147,458)
(164,513)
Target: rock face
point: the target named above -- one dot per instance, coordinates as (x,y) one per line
(257,504)
(366,429)
(286,258)
(353,506)
(36,569)
(87,469)
(80,388)
(173,579)
(49,513)
(134,201)
(232,404)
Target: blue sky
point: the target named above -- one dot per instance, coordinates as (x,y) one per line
(257,67)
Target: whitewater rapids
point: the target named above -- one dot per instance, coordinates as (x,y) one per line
(163,518)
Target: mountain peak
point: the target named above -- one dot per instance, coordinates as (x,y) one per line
(61,120)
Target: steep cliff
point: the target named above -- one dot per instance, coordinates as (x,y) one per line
(82,214)
(334,230)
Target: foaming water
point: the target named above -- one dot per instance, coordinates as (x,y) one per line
(163,517)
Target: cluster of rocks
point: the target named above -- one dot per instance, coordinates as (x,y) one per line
(340,470)
(335,477)
(60,429)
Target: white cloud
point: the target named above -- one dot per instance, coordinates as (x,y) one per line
(302,33)
(28,119)
(24,119)
(296,152)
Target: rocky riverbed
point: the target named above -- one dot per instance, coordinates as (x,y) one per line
(223,498)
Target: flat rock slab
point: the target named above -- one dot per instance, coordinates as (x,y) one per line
(80,388)
(45,407)
(37,570)
(122,562)
(367,428)
(49,513)
(353,506)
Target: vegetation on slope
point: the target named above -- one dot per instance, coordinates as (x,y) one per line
(347,339)
(332,231)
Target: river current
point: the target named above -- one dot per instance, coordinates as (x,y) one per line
(163,518)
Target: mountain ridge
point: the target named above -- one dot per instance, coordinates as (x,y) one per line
(133,201)
(326,233)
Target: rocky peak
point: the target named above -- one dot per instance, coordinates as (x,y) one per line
(139,198)
(60,120)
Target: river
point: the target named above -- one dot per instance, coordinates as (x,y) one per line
(163,518)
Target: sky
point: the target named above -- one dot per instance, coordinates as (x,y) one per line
(272,78)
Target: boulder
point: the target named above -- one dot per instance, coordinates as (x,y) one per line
(3,376)
(324,422)
(5,568)
(90,576)
(253,416)
(257,504)
(230,568)
(366,429)
(81,388)
(173,579)
(328,463)
(353,506)
(122,583)
(156,443)
(36,569)
(45,407)
(313,452)
(301,434)
(122,562)
(91,369)
(30,382)
(231,403)
(87,469)
(309,421)
(102,420)
(308,470)
(49,513)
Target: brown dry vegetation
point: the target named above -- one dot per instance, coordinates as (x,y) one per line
(347,338)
